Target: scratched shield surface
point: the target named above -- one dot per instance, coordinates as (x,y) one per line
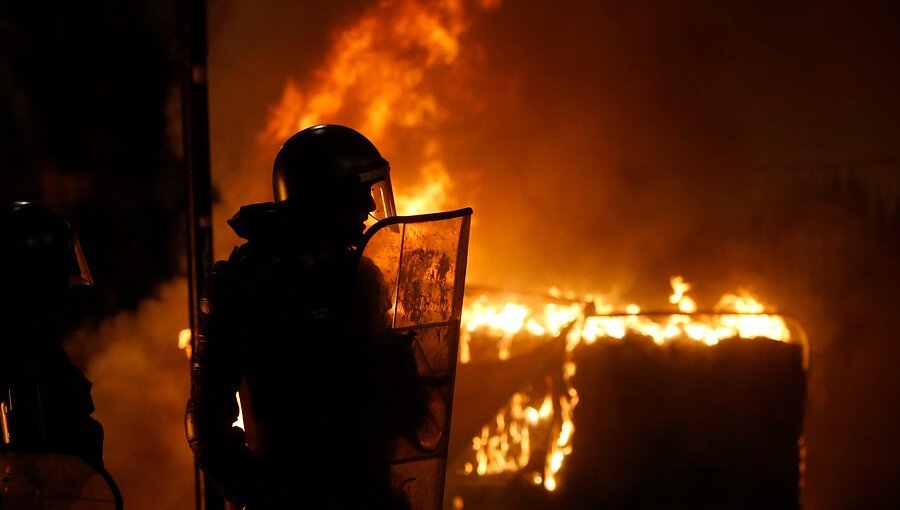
(422,260)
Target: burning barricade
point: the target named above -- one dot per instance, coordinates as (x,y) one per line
(566,403)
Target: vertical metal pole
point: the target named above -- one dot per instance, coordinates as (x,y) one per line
(195,122)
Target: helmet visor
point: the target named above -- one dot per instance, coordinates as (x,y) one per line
(383,195)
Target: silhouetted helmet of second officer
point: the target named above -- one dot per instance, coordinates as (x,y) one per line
(40,257)
(334,176)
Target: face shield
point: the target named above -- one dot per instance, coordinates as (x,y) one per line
(382,192)
(383,195)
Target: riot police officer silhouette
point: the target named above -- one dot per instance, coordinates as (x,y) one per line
(297,323)
(45,400)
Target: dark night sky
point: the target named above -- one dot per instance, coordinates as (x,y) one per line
(748,143)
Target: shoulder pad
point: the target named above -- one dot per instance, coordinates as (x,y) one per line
(221,286)
(254,220)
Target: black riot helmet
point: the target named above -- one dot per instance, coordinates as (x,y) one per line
(328,161)
(40,256)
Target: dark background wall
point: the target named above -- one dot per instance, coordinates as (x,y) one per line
(84,92)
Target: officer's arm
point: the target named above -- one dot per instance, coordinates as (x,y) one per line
(216,375)
(71,410)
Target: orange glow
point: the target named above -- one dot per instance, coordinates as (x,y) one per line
(184,341)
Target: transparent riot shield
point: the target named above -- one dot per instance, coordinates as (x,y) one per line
(54,481)
(423,262)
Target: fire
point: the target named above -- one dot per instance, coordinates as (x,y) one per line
(501,448)
(735,315)
(184,341)
(379,77)
(508,447)
(679,295)
(750,326)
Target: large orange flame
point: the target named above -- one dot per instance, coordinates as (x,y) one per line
(375,78)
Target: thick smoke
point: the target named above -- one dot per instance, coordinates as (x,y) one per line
(140,383)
